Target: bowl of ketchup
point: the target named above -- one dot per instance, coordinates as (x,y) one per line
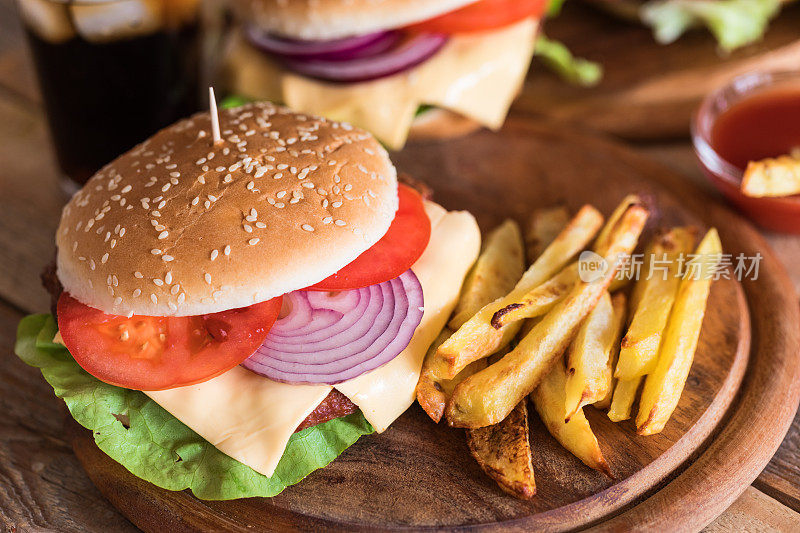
(755,116)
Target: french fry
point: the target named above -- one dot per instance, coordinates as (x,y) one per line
(497,270)
(538,301)
(576,435)
(663,388)
(544,226)
(654,295)
(503,451)
(542,298)
(588,379)
(476,338)
(618,303)
(433,391)
(779,176)
(488,396)
(623,398)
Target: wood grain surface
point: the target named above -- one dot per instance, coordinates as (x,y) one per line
(649,91)
(42,486)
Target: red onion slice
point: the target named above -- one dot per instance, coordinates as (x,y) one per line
(346,48)
(349,333)
(408,53)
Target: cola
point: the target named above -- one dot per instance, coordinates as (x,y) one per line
(111,73)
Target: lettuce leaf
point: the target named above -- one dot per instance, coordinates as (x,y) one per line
(573,69)
(734,23)
(155,446)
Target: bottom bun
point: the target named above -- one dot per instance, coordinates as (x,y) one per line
(438,123)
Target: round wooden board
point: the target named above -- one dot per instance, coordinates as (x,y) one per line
(648,91)
(418,474)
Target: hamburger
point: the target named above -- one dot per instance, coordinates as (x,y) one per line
(233,312)
(396,68)
(734,23)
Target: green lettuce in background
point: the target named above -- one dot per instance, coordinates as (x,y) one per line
(157,447)
(734,23)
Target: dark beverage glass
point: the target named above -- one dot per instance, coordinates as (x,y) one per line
(112,73)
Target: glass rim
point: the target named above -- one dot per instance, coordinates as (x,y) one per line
(703,120)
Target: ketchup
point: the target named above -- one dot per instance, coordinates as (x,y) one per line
(766,124)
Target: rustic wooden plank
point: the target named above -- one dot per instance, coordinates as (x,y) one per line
(755,512)
(30,204)
(16,70)
(42,484)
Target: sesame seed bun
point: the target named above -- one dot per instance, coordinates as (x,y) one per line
(334,19)
(179,226)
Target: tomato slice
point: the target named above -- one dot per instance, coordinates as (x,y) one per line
(397,250)
(482,15)
(156,353)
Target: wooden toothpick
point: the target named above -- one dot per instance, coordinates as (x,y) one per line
(212,100)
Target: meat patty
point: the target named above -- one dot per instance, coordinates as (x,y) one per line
(335,404)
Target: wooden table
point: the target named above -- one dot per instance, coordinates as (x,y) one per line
(41,483)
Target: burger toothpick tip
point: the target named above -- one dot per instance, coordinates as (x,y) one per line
(212,100)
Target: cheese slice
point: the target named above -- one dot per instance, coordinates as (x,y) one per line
(244,415)
(386,392)
(251,418)
(476,75)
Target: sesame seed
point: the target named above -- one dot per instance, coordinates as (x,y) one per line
(214,254)
(168,278)
(138,274)
(173,307)
(227,250)
(175,289)
(212,197)
(278,175)
(307,227)
(115,281)
(125,189)
(153,298)
(166,187)
(118,301)
(253,241)
(181,298)
(196,200)
(207,204)
(158,282)
(228,178)
(327,220)
(220,169)
(137,293)
(167,258)
(104,258)
(337,203)
(280,194)
(156,251)
(340,222)
(207,277)
(163,235)
(260,225)
(174,175)
(248,228)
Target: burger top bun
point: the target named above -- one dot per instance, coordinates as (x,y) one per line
(335,19)
(180,226)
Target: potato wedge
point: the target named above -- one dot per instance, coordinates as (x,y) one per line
(587,358)
(498,268)
(476,338)
(663,388)
(503,451)
(654,294)
(576,435)
(433,391)
(488,396)
(623,398)
(779,176)
(544,226)
(619,304)
(540,300)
